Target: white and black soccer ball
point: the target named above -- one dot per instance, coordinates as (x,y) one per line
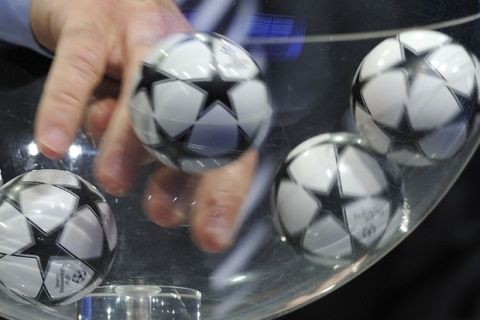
(334,199)
(414,97)
(200,102)
(57,237)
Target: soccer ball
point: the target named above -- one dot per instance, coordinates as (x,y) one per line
(334,199)
(57,237)
(199,102)
(414,97)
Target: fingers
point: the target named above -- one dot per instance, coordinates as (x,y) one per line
(79,66)
(121,153)
(168,197)
(220,195)
(101,108)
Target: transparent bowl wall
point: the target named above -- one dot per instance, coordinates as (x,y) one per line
(310,51)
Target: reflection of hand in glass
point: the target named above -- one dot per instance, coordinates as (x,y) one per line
(93,39)
(212,202)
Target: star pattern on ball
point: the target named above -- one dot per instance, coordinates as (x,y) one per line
(211,124)
(333,202)
(404,136)
(469,105)
(216,91)
(86,197)
(414,64)
(45,246)
(150,76)
(51,244)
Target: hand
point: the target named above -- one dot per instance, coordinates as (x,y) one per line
(94,42)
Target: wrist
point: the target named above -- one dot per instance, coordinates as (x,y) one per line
(15,25)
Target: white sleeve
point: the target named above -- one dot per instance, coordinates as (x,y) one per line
(15,24)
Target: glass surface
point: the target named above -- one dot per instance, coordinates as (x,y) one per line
(132,302)
(309,51)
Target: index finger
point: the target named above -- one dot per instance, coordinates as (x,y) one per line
(79,65)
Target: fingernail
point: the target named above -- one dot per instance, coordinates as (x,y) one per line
(219,228)
(55,139)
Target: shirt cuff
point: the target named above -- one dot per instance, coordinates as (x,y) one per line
(15,25)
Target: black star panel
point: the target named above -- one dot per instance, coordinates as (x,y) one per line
(333,204)
(86,197)
(216,91)
(44,247)
(89,198)
(149,78)
(415,64)
(404,136)
(469,105)
(335,201)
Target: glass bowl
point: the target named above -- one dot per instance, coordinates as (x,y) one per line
(309,51)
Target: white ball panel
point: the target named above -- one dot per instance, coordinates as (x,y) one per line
(423,40)
(316,168)
(445,142)
(190,60)
(83,235)
(162,48)
(367,219)
(360,174)
(385,104)
(142,118)
(430,104)
(214,134)
(60,274)
(50,176)
(251,105)
(232,61)
(176,106)
(384,56)
(15,232)
(310,143)
(371,132)
(455,65)
(47,206)
(477,75)
(295,207)
(109,224)
(21,275)
(326,237)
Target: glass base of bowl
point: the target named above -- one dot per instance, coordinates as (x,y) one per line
(140,302)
